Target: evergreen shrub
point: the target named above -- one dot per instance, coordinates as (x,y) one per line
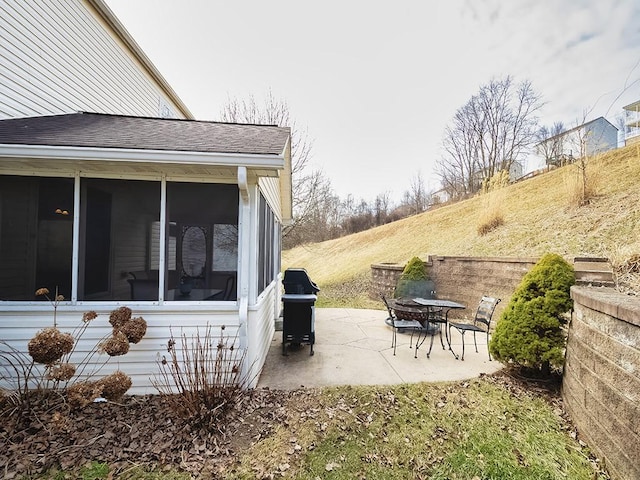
(414,280)
(530,333)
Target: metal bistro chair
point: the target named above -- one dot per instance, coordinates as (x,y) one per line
(396,324)
(481,323)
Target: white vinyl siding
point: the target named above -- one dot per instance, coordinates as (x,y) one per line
(18,327)
(260,331)
(270,188)
(56,57)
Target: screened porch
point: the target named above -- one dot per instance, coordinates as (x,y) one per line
(118,240)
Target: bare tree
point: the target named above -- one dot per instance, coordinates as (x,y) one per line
(417,197)
(550,144)
(321,218)
(273,111)
(490,133)
(381,208)
(461,146)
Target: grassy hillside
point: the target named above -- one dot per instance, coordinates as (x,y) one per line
(538,216)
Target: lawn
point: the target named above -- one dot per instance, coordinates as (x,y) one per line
(493,427)
(488,428)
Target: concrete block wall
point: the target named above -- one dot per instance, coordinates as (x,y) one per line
(601,381)
(467,279)
(463,279)
(384,277)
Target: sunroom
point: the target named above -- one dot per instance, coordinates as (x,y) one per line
(179,220)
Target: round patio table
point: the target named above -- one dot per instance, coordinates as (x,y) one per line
(429,312)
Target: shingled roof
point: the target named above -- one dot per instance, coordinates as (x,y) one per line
(96,130)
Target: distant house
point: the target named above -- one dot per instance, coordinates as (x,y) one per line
(439,197)
(632,123)
(113,194)
(516,171)
(588,139)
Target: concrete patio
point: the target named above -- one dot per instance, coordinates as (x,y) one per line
(353,347)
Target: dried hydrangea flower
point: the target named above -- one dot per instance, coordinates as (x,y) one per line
(61,372)
(82,394)
(42,291)
(50,345)
(134,329)
(119,317)
(88,316)
(116,345)
(114,386)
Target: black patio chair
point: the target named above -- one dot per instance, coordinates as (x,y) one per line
(481,323)
(398,324)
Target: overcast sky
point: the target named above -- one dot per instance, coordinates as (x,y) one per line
(376,82)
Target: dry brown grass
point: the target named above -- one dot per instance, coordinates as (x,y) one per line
(537,219)
(581,182)
(492,216)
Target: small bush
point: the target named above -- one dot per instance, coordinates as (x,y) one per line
(492,216)
(414,281)
(530,331)
(24,373)
(490,223)
(203,376)
(582,184)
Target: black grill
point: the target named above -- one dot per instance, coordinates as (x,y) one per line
(298,301)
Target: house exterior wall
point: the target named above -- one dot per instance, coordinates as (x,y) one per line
(260,330)
(632,123)
(270,188)
(251,318)
(74,55)
(18,326)
(63,57)
(600,136)
(516,170)
(591,138)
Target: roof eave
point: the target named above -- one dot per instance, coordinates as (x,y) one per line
(264,161)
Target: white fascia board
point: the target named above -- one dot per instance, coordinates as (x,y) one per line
(142,156)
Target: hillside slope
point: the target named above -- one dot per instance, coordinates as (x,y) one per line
(538,218)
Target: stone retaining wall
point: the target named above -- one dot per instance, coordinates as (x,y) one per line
(463,279)
(467,279)
(601,381)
